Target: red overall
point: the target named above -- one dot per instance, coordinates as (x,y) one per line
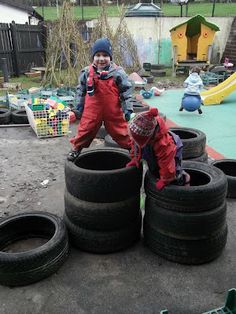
(105,106)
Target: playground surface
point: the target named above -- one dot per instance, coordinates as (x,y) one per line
(217,121)
(133,281)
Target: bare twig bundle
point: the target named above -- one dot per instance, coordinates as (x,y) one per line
(124,47)
(64,41)
(67,52)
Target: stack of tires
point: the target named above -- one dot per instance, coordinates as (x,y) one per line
(228,166)
(16,117)
(102,201)
(187,224)
(5,116)
(194,144)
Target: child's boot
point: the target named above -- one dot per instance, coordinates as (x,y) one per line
(200,111)
(73,155)
(181,108)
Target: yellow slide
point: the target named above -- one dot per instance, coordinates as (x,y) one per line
(216,94)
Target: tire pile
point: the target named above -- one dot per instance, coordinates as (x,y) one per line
(187,224)
(194,144)
(102,215)
(16,117)
(102,201)
(228,166)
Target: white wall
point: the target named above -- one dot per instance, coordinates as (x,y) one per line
(153,40)
(9,14)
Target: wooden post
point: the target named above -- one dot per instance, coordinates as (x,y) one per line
(15,51)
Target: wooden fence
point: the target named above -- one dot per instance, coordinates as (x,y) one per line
(23,46)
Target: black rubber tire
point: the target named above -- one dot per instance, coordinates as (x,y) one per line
(149,78)
(191,252)
(23,268)
(104,242)
(202,158)
(101,175)
(139,107)
(207,191)
(109,142)
(157,66)
(102,132)
(5,116)
(228,166)
(193,225)
(194,141)
(19,117)
(158,73)
(101,216)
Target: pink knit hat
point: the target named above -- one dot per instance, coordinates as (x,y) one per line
(143,125)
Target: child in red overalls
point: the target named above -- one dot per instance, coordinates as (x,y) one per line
(162,149)
(104,95)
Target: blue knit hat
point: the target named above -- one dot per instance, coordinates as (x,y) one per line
(102,44)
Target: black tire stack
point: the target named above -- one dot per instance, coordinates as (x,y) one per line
(194,144)
(187,224)
(228,166)
(20,117)
(5,116)
(102,201)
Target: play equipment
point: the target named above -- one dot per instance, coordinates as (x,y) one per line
(215,95)
(191,103)
(146,94)
(192,42)
(154,91)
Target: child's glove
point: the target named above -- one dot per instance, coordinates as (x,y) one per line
(127,115)
(77,113)
(132,163)
(160,184)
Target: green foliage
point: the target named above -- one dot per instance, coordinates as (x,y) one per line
(91,12)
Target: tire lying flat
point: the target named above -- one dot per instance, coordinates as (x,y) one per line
(100,176)
(104,241)
(228,166)
(5,116)
(101,216)
(207,191)
(23,268)
(194,141)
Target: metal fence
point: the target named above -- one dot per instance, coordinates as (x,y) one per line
(23,46)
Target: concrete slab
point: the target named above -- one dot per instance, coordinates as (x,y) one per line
(135,281)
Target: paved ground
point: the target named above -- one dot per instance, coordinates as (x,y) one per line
(132,281)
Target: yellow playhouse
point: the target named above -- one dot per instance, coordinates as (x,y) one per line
(192,41)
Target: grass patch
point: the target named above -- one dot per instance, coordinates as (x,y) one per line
(92,12)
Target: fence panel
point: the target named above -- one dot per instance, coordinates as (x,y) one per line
(6,48)
(28,46)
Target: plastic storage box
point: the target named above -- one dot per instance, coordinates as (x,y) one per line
(45,124)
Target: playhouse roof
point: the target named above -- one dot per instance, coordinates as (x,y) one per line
(194,25)
(144,10)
